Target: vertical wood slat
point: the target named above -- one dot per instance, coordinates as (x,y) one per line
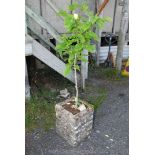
(98,45)
(53,7)
(84,70)
(43,13)
(25,25)
(27,86)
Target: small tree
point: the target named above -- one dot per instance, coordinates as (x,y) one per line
(79,28)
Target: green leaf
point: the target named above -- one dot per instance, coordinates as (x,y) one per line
(79,34)
(93,35)
(73,7)
(84,59)
(77,67)
(71,58)
(107,19)
(82,38)
(69,22)
(63,13)
(90,47)
(67,70)
(78,47)
(84,7)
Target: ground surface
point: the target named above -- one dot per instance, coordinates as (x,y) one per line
(110,132)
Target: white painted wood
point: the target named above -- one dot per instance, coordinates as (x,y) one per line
(42,37)
(104,52)
(35,6)
(49,2)
(57,5)
(28,38)
(98,45)
(42,22)
(53,18)
(51,60)
(43,14)
(84,70)
(28,45)
(27,86)
(28,49)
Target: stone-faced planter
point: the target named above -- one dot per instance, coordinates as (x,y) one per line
(72,124)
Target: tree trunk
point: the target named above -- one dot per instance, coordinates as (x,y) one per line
(121,37)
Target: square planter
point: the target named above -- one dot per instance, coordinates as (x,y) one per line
(75,126)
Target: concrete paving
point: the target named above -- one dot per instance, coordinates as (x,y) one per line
(110,135)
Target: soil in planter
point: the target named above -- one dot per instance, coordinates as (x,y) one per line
(70,108)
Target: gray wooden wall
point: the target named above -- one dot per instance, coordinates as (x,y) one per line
(56,22)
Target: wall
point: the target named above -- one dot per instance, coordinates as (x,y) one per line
(57,23)
(109,11)
(35,6)
(47,13)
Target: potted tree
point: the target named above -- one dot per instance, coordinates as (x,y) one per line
(74,117)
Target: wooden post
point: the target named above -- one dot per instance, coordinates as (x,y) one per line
(27,86)
(39,64)
(122,34)
(25,24)
(84,70)
(98,44)
(43,14)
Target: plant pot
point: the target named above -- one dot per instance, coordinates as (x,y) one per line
(73,125)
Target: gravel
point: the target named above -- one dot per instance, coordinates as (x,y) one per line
(110,135)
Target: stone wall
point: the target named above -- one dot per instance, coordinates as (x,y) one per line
(73,128)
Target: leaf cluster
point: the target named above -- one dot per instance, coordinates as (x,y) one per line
(80,34)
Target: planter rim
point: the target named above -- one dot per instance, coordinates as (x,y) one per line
(90,106)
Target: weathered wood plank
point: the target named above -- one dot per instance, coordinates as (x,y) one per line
(42,22)
(52,6)
(28,49)
(35,6)
(98,44)
(51,60)
(84,70)
(104,52)
(43,38)
(27,86)
(28,45)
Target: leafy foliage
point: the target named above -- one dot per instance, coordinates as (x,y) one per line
(80,32)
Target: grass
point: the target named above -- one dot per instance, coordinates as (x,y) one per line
(106,73)
(94,95)
(111,74)
(40,111)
